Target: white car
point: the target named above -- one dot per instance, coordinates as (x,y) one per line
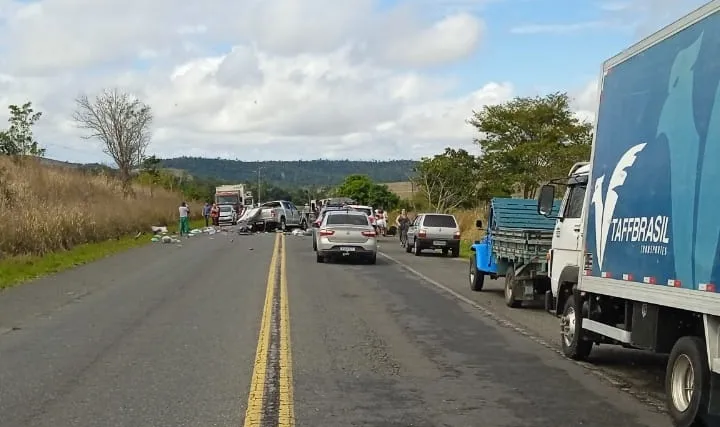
(346,234)
(369,211)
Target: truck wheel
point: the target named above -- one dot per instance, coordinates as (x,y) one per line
(477,279)
(687,382)
(573,346)
(510,300)
(283,226)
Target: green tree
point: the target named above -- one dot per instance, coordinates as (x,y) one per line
(363,190)
(527,141)
(18,139)
(448,180)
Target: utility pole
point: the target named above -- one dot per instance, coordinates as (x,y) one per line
(258,183)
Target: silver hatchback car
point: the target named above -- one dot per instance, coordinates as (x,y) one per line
(434,231)
(346,234)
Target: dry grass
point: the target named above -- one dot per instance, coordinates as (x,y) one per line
(45,209)
(404,189)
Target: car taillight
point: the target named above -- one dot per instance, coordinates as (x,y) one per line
(368,233)
(272,213)
(327,232)
(422,233)
(456,235)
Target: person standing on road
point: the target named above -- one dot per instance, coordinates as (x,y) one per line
(206,214)
(215,215)
(403,223)
(184,219)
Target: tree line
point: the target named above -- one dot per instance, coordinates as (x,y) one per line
(523,143)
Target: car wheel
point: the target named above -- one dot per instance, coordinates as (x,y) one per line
(416,248)
(408,248)
(372,259)
(445,252)
(319,258)
(315,245)
(572,343)
(456,253)
(687,382)
(510,300)
(477,278)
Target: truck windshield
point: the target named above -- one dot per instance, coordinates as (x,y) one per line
(446,221)
(226,200)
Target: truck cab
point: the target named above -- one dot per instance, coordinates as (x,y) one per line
(565,253)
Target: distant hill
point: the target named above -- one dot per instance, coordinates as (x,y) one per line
(293,173)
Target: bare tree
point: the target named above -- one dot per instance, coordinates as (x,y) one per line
(122,122)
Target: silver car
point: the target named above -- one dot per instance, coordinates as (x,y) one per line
(346,234)
(434,231)
(227,215)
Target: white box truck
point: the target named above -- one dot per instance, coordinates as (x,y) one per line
(649,259)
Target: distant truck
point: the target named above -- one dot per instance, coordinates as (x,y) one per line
(515,247)
(649,259)
(232,195)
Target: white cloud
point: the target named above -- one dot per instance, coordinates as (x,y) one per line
(559,28)
(256,79)
(250,78)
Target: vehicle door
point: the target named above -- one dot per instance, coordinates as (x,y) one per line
(297,214)
(288,212)
(567,236)
(412,230)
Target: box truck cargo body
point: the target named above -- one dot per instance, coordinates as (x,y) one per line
(650,260)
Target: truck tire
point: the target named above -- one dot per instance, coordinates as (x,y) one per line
(687,368)
(510,300)
(477,278)
(283,225)
(573,346)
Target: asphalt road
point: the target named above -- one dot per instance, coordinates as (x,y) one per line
(249,330)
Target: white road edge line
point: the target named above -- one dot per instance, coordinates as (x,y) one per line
(611,379)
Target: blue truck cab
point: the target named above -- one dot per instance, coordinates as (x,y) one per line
(515,246)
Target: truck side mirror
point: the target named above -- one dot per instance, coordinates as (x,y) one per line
(478,224)
(546,200)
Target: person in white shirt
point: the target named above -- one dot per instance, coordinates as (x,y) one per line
(184,219)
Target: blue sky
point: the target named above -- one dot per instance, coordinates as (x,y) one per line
(291,79)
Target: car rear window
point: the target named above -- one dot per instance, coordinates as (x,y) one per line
(271,205)
(346,219)
(367,212)
(446,221)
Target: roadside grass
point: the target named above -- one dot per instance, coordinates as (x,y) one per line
(55,217)
(46,209)
(21,268)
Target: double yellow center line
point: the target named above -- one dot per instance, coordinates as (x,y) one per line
(270,402)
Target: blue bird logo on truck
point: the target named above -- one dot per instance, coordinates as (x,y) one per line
(694,173)
(677,123)
(604,210)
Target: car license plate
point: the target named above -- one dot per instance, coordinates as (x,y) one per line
(529,290)
(438,243)
(347,249)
